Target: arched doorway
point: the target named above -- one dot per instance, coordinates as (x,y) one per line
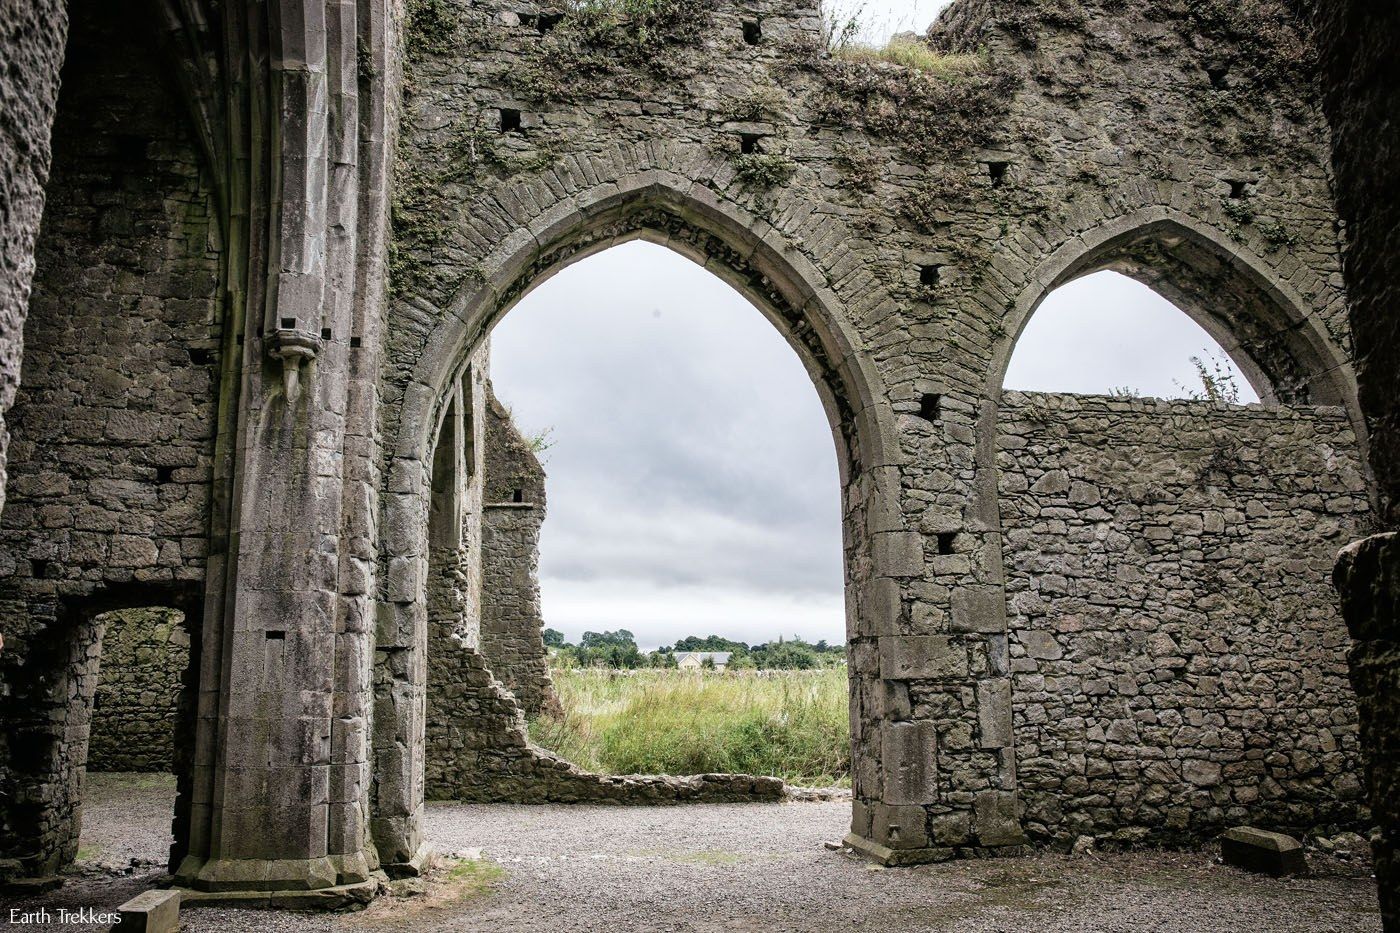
(723,245)
(694,515)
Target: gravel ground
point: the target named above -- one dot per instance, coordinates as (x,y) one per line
(742,867)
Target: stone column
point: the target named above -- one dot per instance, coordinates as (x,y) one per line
(284,805)
(931,703)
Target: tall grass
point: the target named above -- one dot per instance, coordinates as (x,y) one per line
(916,55)
(791,724)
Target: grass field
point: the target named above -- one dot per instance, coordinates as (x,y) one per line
(791,724)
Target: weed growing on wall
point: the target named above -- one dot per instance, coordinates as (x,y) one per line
(764,170)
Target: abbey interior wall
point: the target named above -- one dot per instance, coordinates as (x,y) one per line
(897,228)
(899,231)
(1178,657)
(112,429)
(1360,44)
(136,708)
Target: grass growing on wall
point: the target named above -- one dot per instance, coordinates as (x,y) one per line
(790,724)
(917,55)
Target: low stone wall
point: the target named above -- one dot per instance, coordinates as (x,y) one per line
(478,750)
(1178,657)
(145,654)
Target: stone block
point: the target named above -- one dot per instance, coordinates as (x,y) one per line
(1262,851)
(898,554)
(979,609)
(1041,646)
(908,751)
(922,657)
(150,912)
(951,829)
(1367,577)
(994,712)
(899,826)
(995,820)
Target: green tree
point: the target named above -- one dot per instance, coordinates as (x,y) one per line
(553,638)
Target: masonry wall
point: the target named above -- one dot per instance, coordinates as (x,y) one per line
(512,514)
(479,750)
(112,429)
(1360,44)
(1178,658)
(31,45)
(137,704)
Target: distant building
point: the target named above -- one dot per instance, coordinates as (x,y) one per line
(694,660)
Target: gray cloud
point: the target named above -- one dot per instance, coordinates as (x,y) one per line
(691,455)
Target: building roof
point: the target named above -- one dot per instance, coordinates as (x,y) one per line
(719,657)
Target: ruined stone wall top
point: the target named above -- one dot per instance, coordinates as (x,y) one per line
(511,473)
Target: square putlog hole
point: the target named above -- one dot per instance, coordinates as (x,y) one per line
(930,406)
(753,32)
(510,120)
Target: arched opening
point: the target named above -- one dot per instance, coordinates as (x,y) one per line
(1178,663)
(690,455)
(1108,334)
(694,522)
(137,694)
(112,431)
(493,741)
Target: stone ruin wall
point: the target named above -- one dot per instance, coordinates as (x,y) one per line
(1360,43)
(488,669)
(112,432)
(512,512)
(1175,142)
(1178,658)
(137,704)
(922,230)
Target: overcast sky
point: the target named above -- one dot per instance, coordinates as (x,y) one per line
(692,483)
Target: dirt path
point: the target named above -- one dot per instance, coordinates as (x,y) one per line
(763,868)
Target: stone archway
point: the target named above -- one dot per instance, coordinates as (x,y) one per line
(723,243)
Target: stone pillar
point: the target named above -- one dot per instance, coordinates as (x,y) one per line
(282,797)
(1360,56)
(931,697)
